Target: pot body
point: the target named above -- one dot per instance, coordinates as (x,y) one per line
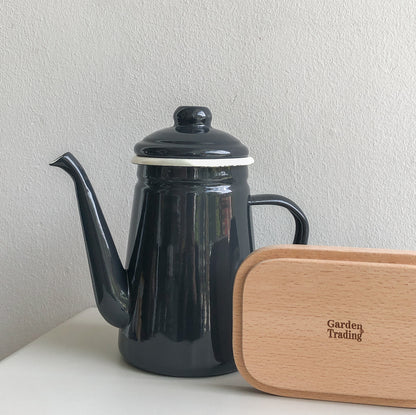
(190,231)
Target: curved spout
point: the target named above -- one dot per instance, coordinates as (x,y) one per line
(109,278)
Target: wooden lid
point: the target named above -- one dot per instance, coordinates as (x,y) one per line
(328,323)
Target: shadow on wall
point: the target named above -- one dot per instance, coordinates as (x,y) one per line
(43,280)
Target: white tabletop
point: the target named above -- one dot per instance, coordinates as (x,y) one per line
(76,369)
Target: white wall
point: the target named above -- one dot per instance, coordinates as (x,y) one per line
(323,93)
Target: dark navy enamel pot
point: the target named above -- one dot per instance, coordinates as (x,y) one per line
(190,230)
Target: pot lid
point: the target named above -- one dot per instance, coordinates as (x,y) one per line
(191,142)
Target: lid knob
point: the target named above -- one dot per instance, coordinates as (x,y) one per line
(192,116)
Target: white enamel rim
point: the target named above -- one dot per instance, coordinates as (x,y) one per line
(150,161)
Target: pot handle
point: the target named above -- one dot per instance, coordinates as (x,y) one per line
(302,225)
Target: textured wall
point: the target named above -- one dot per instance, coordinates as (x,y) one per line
(322,92)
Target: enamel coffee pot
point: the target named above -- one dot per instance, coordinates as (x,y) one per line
(190,230)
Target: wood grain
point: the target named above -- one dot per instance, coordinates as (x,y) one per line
(288,299)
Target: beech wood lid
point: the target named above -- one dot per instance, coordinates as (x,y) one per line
(328,323)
